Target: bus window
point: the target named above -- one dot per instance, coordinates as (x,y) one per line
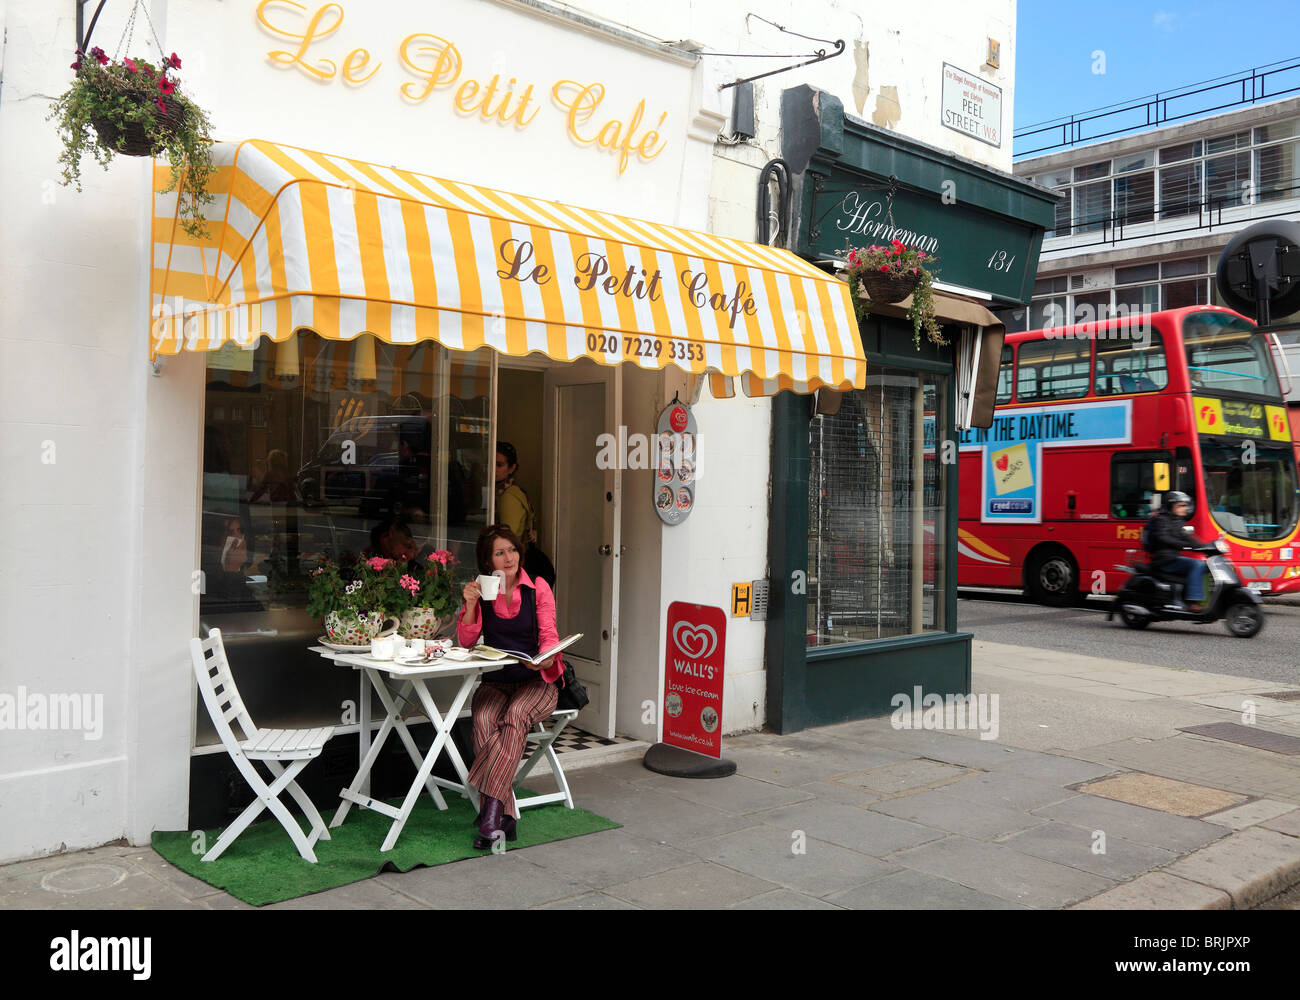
(1131,365)
(1224,354)
(1132,483)
(1053,369)
(1005,373)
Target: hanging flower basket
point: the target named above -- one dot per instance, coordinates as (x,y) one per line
(890,274)
(134,138)
(135,107)
(888,287)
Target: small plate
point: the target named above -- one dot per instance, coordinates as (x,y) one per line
(415,660)
(340,648)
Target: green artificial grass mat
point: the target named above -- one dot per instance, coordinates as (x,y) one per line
(262,866)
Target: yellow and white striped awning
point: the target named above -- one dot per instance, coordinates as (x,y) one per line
(300,240)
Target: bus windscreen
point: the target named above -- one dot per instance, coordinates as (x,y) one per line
(1251,500)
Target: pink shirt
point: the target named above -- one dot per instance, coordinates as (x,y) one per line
(468,632)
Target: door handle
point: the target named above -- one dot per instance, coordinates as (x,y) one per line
(605,550)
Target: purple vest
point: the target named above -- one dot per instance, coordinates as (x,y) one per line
(519,633)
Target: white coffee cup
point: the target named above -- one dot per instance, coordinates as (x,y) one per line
(490,587)
(416,646)
(382,649)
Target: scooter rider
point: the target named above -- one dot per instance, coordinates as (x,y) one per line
(1165,536)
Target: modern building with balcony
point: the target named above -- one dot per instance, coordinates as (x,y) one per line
(1143,218)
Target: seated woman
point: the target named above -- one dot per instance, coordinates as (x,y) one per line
(512,699)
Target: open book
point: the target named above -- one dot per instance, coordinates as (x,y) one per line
(489,653)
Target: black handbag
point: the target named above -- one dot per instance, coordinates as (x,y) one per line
(571,693)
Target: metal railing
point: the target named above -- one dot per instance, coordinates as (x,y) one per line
(1208,213)
(1247,87)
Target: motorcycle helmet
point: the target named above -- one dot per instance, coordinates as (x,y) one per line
(1178,496)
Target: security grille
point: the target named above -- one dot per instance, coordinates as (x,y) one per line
(871,573)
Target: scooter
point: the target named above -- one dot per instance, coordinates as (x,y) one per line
(1147,598)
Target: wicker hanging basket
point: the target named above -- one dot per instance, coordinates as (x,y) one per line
(882,287)
(133,138)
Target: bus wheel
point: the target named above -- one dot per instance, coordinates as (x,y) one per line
(1243,620)
(1053,578)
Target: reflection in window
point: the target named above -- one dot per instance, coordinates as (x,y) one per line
(1057,368)
(1006,372)
(355,448)
(876,512)
(1255,500)
(1133,364)
(1224,354)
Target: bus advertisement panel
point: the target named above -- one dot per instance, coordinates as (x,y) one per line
(1093,423)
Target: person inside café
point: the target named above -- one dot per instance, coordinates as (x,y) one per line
(512,699)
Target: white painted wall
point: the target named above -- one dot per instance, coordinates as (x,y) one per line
(892,50)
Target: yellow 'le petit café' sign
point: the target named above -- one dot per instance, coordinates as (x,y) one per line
(438,70)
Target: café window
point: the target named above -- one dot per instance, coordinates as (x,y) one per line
(316,448)
(877,512)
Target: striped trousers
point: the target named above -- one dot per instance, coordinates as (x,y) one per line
(503,714)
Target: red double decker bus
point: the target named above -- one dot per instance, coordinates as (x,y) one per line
(1093,422)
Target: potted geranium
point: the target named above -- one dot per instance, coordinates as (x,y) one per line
(350,599)
(423,593)
(891,273)
(135,108)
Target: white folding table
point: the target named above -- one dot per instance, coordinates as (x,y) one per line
(377,675)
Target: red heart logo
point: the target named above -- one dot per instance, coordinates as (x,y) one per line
(1002,463)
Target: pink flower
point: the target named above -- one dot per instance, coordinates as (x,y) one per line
(165,85)
(409,582)
(853,256)
(442,556)
(77,64)
(100,55)
(162,108)
(174,61)
(130,64)
(896,243)
(915,271)
(377,563)
(884,268)
(920,255)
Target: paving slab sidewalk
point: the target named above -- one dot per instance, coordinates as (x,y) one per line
(862,815)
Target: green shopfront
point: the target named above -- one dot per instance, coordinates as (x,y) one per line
(863,536)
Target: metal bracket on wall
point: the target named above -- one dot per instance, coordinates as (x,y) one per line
(820,55)
(820,188)
(84,39)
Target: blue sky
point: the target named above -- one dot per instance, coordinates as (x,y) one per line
(1147,47)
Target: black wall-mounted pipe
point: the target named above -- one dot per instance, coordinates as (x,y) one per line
(779,169)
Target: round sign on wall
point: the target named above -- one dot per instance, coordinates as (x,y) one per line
(676,464)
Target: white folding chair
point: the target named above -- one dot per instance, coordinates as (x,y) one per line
(542,740)
(270,746)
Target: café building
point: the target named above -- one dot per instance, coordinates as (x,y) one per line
(427,238)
